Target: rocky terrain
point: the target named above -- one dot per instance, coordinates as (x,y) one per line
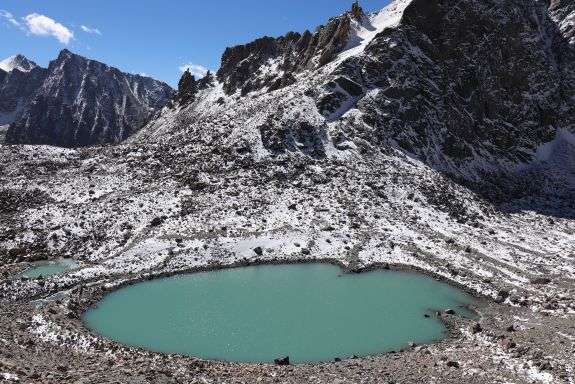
(435,135)
(75,101)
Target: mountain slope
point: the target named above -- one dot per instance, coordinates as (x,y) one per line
(478,94)
(472,88)
(83,102)
(563,11)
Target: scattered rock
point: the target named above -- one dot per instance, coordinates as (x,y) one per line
(476,328)
(540,281)
(282,361)
(452,364)
(509,344)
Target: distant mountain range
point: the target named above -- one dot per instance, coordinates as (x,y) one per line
(74,102)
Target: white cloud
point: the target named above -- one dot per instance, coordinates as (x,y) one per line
(41,25)
(9,18)
(197,70)
(90,30)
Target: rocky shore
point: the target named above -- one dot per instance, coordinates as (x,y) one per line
(45,341)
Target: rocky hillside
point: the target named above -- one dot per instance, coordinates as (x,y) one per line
(77,102)
(480,90)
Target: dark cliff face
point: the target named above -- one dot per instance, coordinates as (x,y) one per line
(244,67)
(16,90)
(462,83)
(82,102)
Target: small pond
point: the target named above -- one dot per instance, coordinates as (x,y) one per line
(310,312)
(48,268)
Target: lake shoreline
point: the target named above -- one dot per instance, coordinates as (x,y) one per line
(430,308)
(61,318)
(105,351)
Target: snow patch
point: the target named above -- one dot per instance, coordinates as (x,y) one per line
(18,62)
(364,32)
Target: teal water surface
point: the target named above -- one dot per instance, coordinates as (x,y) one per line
(310,312)
(50,268)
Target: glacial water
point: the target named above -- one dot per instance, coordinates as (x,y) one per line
(48,268)
(309,312)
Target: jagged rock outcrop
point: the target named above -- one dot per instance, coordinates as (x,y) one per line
(82,102)
(273,62)
(188,86)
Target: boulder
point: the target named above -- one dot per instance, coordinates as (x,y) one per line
(282,361)
(540,281)
(476,328)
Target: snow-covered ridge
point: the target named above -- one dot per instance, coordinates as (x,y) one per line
(363,32)
(18,62)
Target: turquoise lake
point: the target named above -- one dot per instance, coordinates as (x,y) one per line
(309,312)
(48,268)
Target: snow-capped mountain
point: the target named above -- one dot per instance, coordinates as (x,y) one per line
(18,62)
(78,102)
(18,83)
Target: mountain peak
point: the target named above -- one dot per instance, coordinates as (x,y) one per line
(65,54)
(18,62)
(63,109)
(357,11)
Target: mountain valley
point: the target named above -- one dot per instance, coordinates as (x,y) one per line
(435,136)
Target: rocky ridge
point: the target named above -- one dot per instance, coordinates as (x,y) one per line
(77,102)
(271,63)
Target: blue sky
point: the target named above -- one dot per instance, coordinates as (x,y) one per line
(154,37)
